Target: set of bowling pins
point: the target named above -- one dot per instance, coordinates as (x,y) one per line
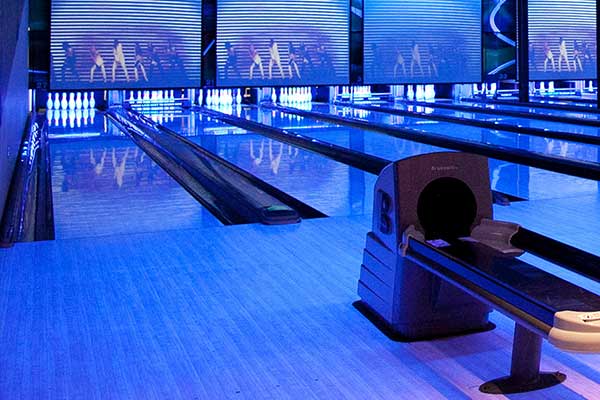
(549,89)
(487,89)
(420,92)
(75,101)
(294,95)
(221,97)
(152,97)
(356,91)
(161,118)
(71,118)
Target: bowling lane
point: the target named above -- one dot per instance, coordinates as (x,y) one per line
(502,119)
(534,110)
(584,102)
(102,184)
(517,180)
(566,149)
(329,186)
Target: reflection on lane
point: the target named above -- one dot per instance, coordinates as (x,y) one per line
(524,122)
(105,185)
(505,177)
(534,110)
(329,186)
(570,150)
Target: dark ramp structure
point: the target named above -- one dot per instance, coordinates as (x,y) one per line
(436,263)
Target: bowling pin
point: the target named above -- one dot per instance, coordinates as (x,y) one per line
(64,103)
(49,102)
(273,95)
(283,96)
(200,97)
(78,117)
(78,102)
(410,93)
(56,102)
(238,98)
(420,95)
(71,101)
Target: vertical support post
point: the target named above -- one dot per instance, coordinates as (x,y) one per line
(523,50)
(525,374)
(527,353)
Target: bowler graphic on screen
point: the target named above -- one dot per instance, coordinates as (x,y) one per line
(416,41)
(562,39)
(279,43)
(125,44)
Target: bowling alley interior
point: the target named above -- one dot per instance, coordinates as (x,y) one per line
(309,199)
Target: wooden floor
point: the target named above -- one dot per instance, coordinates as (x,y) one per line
(246,312)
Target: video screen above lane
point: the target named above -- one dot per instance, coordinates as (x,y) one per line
(415,41)
(125,44)
(280,43)
(562,39)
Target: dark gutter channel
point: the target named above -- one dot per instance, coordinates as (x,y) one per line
(28,215)
(226,194)
(304,209)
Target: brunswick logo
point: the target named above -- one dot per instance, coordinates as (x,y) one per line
(445,168)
